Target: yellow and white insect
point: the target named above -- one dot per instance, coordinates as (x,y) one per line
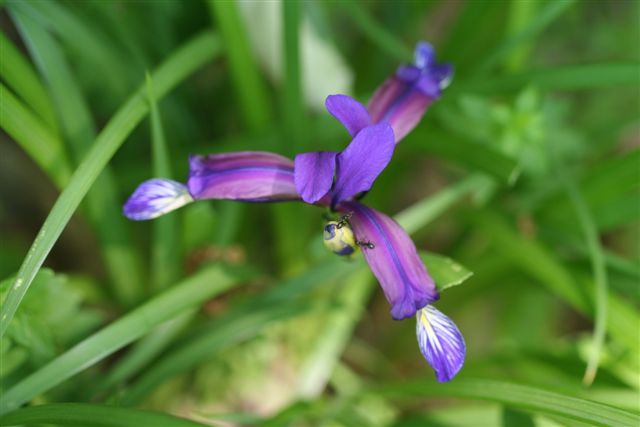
(339,237)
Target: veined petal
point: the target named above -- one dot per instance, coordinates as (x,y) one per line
(313,174)
(156,197)
(358,166)
(441,342)
(353,115)
(251,176)
(393,259)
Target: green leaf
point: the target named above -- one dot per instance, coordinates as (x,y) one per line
(185,295)
(43,146)
(122,262)
(514,395)
(82,414)
(18,74)
(569,77)
(245,74)
(445,271)
(182,63)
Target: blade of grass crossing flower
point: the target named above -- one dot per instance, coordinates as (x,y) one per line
(35,138)
(178,67)
(246,78)
(77,414)
(188,294)
(600,277)
(376,33)
(17,73)
(165,249)
(514,395)
(571,77)
(122,262)
(546,16)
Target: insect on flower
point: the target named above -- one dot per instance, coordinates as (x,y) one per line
(336,180)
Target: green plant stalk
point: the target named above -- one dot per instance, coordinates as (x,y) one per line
(34,137)
(517,396)
(178,67)
(187,294)
(293,98)
(520,14)
(84,414)
(122,262)
(599,275)
(17,73)
(250,88)
(165,246)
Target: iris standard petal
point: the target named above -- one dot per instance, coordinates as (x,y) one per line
(251,176)
(424,55)
(393,259)
(353,115)
(313,174)
(441,342)
(358,166)
(154,198)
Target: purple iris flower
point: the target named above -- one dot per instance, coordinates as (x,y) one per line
(336,180)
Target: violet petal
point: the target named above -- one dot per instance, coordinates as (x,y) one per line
(154,198)
(353,115)
(251,176)
(362,161)
(313,174)
(393,259)
(424,55)
(441,342)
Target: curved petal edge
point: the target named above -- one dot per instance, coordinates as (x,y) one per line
(156,197)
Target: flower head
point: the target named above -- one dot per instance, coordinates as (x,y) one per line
(335,180)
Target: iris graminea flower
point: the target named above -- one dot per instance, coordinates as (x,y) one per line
(336,180)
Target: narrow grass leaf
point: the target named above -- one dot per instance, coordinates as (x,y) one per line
(35,138)
(514,395)
(122,261)
(551,11)
(19,75)
(178,67)
(165,248)
(249,86)
(188,294)
(293,99)
(83,414)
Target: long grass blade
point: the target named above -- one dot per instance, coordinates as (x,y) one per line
(122,261)
(36,138)
(178,67)
(185,295)
(82,414)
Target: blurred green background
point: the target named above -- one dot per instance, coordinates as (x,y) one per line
(526,173)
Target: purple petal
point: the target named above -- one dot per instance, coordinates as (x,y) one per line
(154,198)
(362,161)
(441,342)
(424,55)
(394,260)
(313,174)
(251,176)
(353,115)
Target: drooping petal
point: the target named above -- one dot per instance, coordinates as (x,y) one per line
(441,342)
(393,259)
(403,98)
(156,197)
(251,176)
(362,161)
(313,174)
(353,115)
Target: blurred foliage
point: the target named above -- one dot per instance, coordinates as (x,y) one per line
(525,177)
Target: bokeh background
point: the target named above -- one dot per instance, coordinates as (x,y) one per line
(521,186)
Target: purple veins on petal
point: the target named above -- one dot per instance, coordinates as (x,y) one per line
(251,176)
(394,260)
(441,342)
(156,197)
(358,166)
(353,115)
(313,174)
